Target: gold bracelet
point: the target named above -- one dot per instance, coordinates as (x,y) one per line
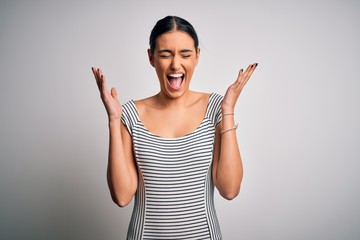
(230,129)
(225,114)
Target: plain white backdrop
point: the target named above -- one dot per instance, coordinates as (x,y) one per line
(298,116)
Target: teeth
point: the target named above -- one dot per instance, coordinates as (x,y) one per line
(176,75)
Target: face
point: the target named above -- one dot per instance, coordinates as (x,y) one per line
(174,60)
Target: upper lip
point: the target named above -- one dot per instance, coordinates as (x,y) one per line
(175,74)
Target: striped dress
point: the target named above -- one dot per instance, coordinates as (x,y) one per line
(174,198)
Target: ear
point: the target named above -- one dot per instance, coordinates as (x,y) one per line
(151,57)
(197,55)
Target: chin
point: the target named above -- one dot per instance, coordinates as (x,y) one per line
(170,93)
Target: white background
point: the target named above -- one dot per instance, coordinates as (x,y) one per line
(298,116)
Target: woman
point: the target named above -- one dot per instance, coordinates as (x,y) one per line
(170,150)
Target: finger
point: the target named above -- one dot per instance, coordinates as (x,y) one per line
(103,83)
(247,74)
(114,93)
(95,72)
(101,80)
(93,69)
(240,76)
(250,70)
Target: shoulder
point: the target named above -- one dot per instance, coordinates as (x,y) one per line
(145,104)
(215,99)
(128,107)
(199,98)
(129,113)
(214,108)
(128,103)
(216,96)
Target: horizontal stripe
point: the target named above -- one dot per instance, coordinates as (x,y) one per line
(174,199)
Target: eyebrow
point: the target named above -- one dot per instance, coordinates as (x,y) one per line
(169,51)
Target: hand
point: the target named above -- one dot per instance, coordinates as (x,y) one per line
(233,92)
(109,98)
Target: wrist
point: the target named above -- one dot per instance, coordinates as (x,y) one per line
(227,104)
(228,114)
(227,109)
(114,121)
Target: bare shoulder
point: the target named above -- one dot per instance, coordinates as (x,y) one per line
(200,98)
(146,103)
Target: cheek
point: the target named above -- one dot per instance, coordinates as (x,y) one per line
(160,70)
(191,67)
(160,66)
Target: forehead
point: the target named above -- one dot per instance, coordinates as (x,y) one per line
(175,40)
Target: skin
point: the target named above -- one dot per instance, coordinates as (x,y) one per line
(166,115)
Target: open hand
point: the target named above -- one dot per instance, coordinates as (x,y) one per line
(109,98)
(233,92)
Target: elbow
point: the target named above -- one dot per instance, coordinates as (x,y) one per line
(228,190)
(120,202)
(121,197)
(230,195)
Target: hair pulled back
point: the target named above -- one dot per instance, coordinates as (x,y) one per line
(171,23)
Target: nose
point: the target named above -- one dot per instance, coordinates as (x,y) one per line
(175,63)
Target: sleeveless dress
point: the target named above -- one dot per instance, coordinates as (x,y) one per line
(175,194)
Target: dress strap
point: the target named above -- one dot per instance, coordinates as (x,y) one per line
(213,111)
(130,116)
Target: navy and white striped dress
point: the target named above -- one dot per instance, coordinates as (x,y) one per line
(174,198)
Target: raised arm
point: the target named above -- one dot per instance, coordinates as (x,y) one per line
(122,171)
(227,164)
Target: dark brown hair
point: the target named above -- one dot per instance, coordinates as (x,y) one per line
(171,23)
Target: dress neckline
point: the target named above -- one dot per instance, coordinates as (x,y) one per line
(173,138)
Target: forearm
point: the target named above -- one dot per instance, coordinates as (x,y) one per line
(227,165)
(119,173)
(229,171)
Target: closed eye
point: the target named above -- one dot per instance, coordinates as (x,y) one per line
(165,56)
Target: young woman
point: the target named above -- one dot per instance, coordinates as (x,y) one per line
(170,150)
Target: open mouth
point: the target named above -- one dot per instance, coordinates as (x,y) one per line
(175,80)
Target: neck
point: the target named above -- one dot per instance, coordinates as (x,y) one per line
(175,103)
